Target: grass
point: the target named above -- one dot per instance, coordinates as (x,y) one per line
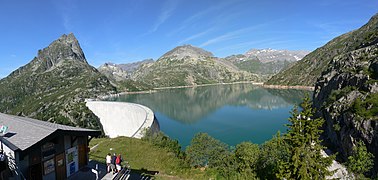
(143,156)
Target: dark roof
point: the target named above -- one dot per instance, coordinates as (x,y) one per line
(24,132)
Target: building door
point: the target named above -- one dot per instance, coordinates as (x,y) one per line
(35,172)
(60,167)
(82,155)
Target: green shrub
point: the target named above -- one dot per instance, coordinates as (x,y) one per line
(337,94)
(367,108)
(204,150)
(360,161)
(271,153)
(161,140)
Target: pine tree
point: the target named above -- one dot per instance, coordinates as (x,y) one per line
(304,146)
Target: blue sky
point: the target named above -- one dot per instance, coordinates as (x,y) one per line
(122,31)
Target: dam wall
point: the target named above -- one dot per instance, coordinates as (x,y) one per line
(122,118)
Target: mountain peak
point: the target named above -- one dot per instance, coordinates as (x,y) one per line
(66,47)
(184,51)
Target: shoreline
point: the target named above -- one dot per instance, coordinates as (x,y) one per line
(261,84)
(310,88)
(213,84)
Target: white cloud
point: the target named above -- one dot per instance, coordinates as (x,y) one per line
(168,8)
(230,35)
(195,36)
(66,9)
(248,45)
(199,15)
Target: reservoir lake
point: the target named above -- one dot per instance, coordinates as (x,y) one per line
(231,113)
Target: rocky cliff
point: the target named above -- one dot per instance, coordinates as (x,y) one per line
(54,85)
(346,94)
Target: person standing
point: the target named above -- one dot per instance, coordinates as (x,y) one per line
(108,162)
(113,165)
(118,162)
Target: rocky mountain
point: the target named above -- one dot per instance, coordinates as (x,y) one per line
(114,71)
(188,65)
(306,71)
(266,62)
(54,85)
(346,93)
(119,72)
(185,51)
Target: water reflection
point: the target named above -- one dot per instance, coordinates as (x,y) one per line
(190,105)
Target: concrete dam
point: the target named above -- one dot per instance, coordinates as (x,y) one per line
(123,119)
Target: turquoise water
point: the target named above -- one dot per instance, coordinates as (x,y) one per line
(230,113)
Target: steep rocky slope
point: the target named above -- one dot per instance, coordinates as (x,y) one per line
(346,94)
(53,86)
(188,65)
(306,71)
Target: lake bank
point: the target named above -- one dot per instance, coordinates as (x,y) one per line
(310,88)
(154,90)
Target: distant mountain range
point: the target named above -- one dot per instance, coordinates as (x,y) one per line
(266,62)
(188,65)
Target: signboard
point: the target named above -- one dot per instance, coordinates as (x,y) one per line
(72,161)
(49,166)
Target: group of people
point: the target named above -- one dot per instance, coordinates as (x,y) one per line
(113,163)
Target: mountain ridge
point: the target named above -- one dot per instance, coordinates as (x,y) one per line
(306,71)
